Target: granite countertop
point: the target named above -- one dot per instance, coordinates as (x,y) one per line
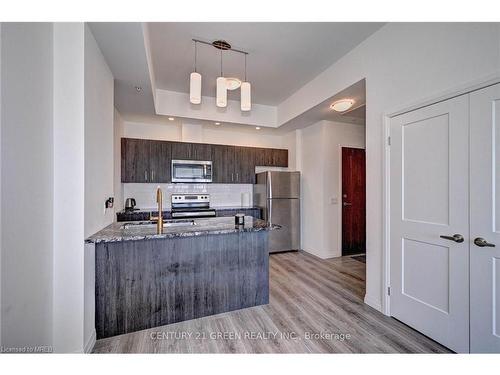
(141,230)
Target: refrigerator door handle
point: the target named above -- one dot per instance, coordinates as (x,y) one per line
(270,204)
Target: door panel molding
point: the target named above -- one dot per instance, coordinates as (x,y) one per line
(430,293)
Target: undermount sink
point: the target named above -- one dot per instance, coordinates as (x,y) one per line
(166,223)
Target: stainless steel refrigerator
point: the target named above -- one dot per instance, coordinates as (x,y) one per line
(278,195)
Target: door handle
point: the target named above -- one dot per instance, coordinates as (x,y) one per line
(481,242)
(347,204)
(456,237)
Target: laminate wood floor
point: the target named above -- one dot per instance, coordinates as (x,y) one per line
(316,306)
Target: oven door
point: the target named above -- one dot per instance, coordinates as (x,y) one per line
(191,171)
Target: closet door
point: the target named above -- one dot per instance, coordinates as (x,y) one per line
(429,274)
(485,220)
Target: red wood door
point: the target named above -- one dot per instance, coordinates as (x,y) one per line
(353,201)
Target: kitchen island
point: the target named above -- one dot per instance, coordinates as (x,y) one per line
(194,268)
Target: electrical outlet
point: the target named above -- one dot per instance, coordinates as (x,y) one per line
(334,200)
(109,202)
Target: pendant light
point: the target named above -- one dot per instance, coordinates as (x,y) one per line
(246,96)
(221,92)
(195,82)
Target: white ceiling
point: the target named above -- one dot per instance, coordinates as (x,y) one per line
(122,45)
(282,56)
(356,115)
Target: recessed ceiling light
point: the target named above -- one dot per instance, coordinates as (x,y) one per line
(257,127)
(233,83)
(342,105)
(171,119)
(217,123)
(138,88)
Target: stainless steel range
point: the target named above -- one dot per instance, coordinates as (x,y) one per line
(191,205)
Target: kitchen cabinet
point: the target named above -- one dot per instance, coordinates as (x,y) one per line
(244,165)
(160,161)
(201,151)
(135,160)
(151,160)
(145,161)
(223,164)
(181,150)
(191,151)
(271,157)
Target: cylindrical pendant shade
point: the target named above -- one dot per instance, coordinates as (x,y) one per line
(246,96)
(195,88)
(221,99)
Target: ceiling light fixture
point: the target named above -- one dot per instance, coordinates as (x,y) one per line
(246,96)
(138,88)
(171,119)
(221,91)
(222,84)
(217,123)
(257,127)
(195,81)
(342,105)
(233,83)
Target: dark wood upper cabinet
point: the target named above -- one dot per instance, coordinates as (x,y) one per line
(271,157)
(160,161)
(150,160)
(145,161)
(280,158)
(201,151)
(244,166)
(135,160)
(223,164)
(181,150)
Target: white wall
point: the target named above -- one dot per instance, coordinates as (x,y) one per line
(321,182)
(27,184)
(186,131)
(402,63)
(150,130)
(0,183)
(102,133)
(68,228)
(117,181)
(99,137)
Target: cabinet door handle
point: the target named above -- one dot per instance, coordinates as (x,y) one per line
(237,176)
(152,175)
(145,175)
(232,177)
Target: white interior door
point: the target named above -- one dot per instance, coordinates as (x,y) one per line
(485,220)
(429,274)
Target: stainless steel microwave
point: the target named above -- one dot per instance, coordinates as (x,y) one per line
(191,171)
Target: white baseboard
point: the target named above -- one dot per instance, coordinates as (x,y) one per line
(90,343)
(373,302)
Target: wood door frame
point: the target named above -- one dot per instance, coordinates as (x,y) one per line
(459,90)
(339,198)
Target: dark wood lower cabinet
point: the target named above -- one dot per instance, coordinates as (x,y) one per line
(150,283)
(150,160)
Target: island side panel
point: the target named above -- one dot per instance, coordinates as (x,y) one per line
(149,283)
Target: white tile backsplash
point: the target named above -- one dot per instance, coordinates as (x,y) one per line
(220,194)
